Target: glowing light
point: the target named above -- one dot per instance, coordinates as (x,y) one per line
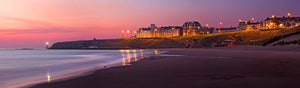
(207,25)
(122,31)
(289,14)
(156,52)
(281,25)
(48,77)
(128,31)
(240,20)
(273,16)
(252,18)
(221,23)
(47,44)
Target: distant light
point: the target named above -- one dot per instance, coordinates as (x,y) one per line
(48,77)
(207,25)
(281,25)
(240,20)
(252,18)
(128,31)
(289,14)
(47,43)
(221,23)
(273,16)
(122,31)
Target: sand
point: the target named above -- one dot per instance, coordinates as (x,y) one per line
(235,67)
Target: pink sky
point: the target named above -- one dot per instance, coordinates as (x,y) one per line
(31,23)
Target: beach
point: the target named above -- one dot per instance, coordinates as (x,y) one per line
(234,67)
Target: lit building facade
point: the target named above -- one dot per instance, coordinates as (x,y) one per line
(281,22)
(192,28)
(162,32)
(188,29)
(250,25)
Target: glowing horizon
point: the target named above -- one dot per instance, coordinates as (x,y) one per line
(31,23)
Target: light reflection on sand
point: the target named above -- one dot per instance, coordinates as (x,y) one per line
(135,57)
(129,55)
(142,54)
(123,58)
(49,71)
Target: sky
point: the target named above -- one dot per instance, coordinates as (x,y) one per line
(31,23)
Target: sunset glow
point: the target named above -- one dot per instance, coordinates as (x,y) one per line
(29,23)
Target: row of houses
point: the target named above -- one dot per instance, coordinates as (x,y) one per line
(194,28)
(188,29)
(270,23)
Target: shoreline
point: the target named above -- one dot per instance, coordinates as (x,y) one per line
(214,67)
(93,70)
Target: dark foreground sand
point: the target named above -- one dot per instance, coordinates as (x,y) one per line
(200,68)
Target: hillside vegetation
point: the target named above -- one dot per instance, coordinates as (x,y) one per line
(262,37)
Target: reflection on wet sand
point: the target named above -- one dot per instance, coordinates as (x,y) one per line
(142,55)
(123,58)
(126,54)
(135,57)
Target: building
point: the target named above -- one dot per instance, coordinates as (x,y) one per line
(242,26)
(281,22)
(250,25)
(188,29)
(162,32)
(192,28)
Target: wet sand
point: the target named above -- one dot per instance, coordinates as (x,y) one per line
(236,67)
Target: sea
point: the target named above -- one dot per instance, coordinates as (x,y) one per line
(21,68)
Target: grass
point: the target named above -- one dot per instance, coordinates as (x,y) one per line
(243,37)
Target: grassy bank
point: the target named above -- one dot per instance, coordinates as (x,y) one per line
(243,37)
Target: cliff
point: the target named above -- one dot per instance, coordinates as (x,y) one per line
(119,44)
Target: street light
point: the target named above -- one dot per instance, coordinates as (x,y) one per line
(128,33)
(252,19)
(122,33)
(221,24)
(289,14)
(273,16)
(240,20)
(207,25)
